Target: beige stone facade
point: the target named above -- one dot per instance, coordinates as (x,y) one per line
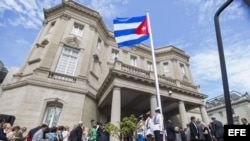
(240,107)
(75,68)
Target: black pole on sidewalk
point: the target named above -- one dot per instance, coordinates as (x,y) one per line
(223,64)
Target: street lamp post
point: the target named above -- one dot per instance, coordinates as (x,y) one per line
(222,63)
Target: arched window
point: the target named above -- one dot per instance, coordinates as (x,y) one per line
(52,114)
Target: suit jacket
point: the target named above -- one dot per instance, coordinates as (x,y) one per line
(170,131)
(193,130)
(217,129)
(33,131)
(38,136)
(76,134)
(201,134)
(100,134)
(2,135)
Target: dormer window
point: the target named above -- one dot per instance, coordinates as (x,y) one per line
(99,42)
(77,29)
(150,66)
(182,68)
(133,61)
(166,67)
(115,54)
(51,28)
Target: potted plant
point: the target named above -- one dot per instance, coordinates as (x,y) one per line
(123,128)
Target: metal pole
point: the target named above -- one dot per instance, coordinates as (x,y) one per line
(154,65)
(222,63)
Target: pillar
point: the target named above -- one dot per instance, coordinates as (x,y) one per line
(153,104)
(204,115)
(183,114)
(116,108)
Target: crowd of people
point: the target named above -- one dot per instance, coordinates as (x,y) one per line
(150,129)
(153,129)
(54,133)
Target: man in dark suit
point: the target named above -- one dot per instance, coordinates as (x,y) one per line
(2,134)
(194,132)
(76,133)
(100,134)
(217,129)
(171,136)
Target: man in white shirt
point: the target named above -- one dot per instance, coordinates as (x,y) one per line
(38,136)
(158,125)
(149,127)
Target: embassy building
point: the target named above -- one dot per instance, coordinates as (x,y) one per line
(75,71)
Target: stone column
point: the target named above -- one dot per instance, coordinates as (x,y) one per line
(153,104)
(204,115)
(116,108)
(183,114)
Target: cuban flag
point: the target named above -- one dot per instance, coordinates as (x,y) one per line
(130,31)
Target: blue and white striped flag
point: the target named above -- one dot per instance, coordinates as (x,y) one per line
(130,31)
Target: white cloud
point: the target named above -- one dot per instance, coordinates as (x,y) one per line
(108,8)
(26,13)
(238,66)
(204,61)
(2,25)
(29,13)
(48,3)
(22,42)
(205,65)
(208,8)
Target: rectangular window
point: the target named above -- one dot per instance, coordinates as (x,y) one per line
(221,114)
(150,66)
(133,61)
(236,120)
(51,28)
(99,42)
(77,30)
(182,68)
(166,67)
(114,54)
(68,61)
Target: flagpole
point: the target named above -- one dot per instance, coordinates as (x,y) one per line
(154,64)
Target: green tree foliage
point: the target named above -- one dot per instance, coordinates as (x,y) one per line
(123,128)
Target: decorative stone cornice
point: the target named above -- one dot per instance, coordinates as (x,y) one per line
(65,16)
(142,57)
(172,50)
(34,61)
(45,22)
(71,41)
(92,27)
(173,59)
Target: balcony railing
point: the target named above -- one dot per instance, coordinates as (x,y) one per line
(134,70)
(167,80)
(148,74)
(188,85)
(62,77)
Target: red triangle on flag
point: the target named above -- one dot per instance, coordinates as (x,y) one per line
(142,28)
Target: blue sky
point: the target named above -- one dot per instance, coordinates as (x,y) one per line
(186,24)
